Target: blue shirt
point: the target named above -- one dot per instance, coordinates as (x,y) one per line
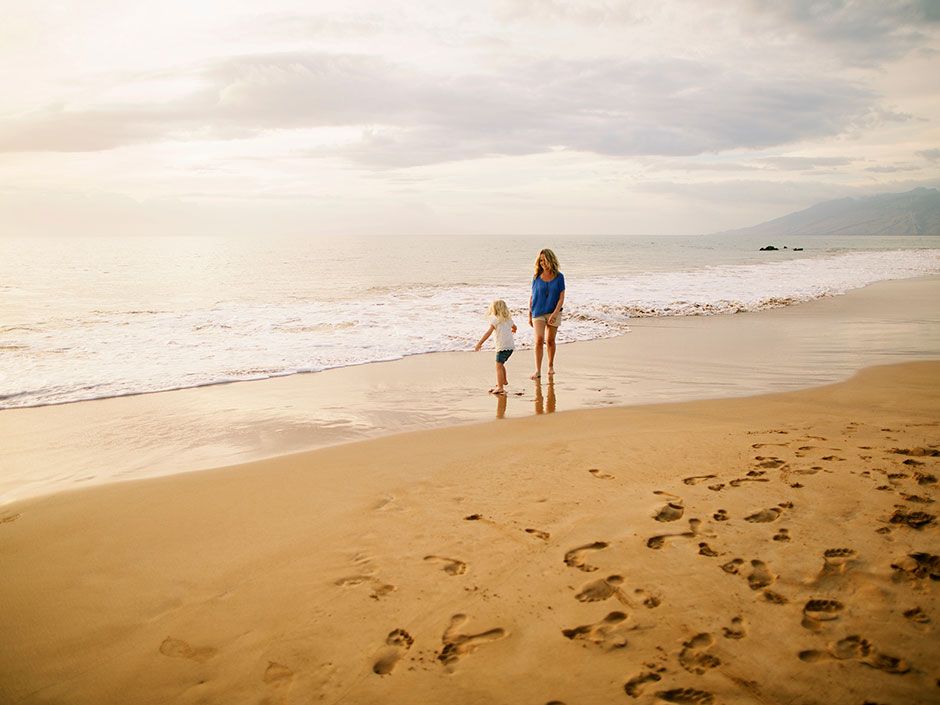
(545,294)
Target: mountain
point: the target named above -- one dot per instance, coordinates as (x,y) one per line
(914,212)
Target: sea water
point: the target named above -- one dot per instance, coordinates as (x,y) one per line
(84,318)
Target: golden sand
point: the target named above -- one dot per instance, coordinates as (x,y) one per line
(774,549)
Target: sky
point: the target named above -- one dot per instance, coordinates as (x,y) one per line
(657,117)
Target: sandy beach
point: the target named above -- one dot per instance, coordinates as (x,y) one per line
(54,448)
(771,549)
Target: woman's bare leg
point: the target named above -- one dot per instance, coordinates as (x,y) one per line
(538,326)
(550,344)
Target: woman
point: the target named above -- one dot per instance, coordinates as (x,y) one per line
(545,306)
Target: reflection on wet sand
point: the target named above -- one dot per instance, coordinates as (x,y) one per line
(544,405)
(501,405)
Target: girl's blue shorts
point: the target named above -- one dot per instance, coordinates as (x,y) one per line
(503,355)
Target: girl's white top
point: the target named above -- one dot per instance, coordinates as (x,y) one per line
(503,336)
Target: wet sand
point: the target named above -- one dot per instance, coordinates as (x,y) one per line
(50,449)
(778,548)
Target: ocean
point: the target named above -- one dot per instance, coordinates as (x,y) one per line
(86,318)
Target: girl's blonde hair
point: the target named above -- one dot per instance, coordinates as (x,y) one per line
(500,310)
(552,262)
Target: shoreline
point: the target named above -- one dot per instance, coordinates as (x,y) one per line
(120,438)
(742,550)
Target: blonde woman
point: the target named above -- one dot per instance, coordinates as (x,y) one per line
(502,324)
(545,307)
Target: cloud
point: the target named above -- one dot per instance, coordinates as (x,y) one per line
(892,168)
(804,163)
(863,32)
(612,107)
(590,12)
(931,155)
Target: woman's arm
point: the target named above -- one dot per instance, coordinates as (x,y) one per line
(489,332)
(561,302)
(530,310)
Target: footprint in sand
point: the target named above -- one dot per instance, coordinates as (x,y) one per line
(635,686)
(451,565)
(820,610)
(457,645)
(695,479)
(657,542)
(760,576)
(737,630)
(544,535)
(717,487)
(737,482)
(915,520)
(177,648)
(733,566)
(603,589)
(917,566)
(857,648)
(922,478)
(671,511)
(397,644)
(916,499)
(379,589)
(607,633)
(693,656)
(836,560)
(575,557)
(917,452)
(917,615)
(782,535)
(764,516)
(687,696)
(769,462)
(10,517)
(705,550)
(277,675)
(720,515)
(600,475)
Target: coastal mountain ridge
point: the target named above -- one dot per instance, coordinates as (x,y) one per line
(911,213)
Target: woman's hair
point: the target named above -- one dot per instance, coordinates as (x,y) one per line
(552,262)
(499,309)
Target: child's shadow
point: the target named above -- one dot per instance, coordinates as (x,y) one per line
(544,405)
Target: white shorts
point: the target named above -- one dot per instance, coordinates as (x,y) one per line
(546,316)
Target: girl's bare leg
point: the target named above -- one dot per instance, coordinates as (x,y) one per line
(500,379)
(550,344)
(539,327)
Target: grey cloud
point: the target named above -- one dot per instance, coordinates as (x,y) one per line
(892,168)
(672,165)
(862,31)
(609,107)
(803,163)
(931,155)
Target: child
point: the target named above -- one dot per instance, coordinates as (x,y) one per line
(501,322)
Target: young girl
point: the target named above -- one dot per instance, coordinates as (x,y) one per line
(501,322)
